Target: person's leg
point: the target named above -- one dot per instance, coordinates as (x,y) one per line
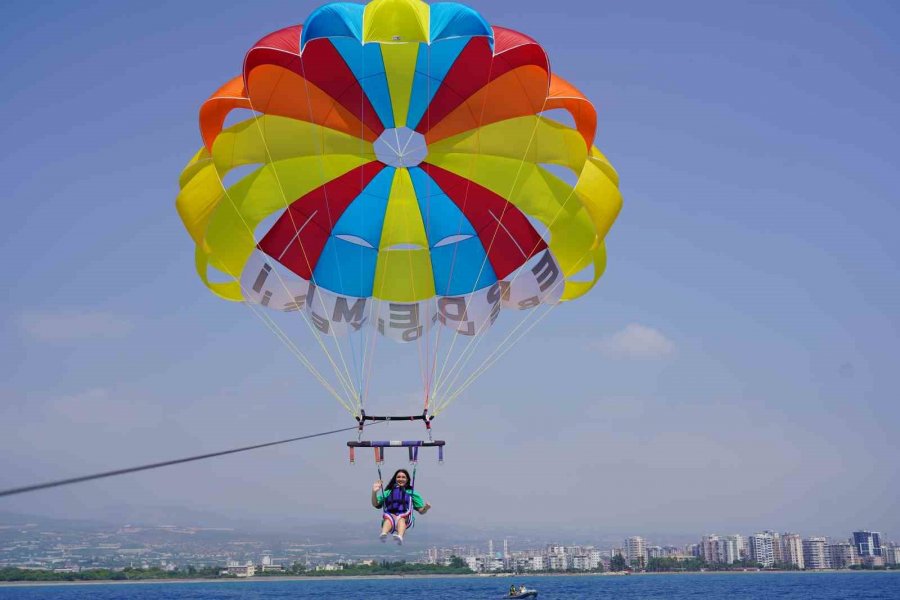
(387,526)
(401,523)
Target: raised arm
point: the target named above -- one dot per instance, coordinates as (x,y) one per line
(376,487)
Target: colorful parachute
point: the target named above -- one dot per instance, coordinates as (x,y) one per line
(397,171)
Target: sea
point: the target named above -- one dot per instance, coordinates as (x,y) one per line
(731,586)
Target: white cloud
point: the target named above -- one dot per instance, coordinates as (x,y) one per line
(636,341)
(71,326)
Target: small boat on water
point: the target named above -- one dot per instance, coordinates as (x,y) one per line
(524,593)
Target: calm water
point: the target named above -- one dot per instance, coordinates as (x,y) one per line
(755,586)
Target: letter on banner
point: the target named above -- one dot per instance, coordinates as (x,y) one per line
(404,322)
(538,282)
(263,283)
(354,315)
(455,310)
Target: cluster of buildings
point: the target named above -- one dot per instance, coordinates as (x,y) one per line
(768,549)
(249,569)
(36,547)
(553,557)
(790,550)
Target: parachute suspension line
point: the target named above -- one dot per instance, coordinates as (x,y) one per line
(502,348)
(529,315)
(423,326)
(475,341)
(498,352)
(293,349)
(273,327)
(331,223)
(432,346)
(369,356)
(366,332)
(279,332)
(431,352)
(344,377)
(449,352)
(488,361)
(158,465)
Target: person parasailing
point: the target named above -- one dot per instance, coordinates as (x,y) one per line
(397,502)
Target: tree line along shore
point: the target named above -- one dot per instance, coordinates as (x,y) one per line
(384,568)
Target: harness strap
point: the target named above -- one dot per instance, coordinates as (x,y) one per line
(381,481)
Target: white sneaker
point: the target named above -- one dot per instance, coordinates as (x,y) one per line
(383,537)
(398,538)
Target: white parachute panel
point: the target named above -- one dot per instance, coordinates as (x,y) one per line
(474,313)
(404,322)
(538,281)
(335,314)
(265,283)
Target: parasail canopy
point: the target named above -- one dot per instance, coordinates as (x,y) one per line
(396,169)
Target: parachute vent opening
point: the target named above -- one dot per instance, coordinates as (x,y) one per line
(218,276)
(584,275)
(354,239)
(236,174)
(239,115)
(561,116)
(541,229)
(563,173)
(453,239)
(266,224)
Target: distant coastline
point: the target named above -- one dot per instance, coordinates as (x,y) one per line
(247,580)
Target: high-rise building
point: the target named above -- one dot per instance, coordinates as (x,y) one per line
(762,549)
(892,554)
(559,562)
(868,543)
(741,543)
(792,549)
(594,559)
(635,551)
(777,549)
(709,548)
(730,549)
(843,555)
(815,555)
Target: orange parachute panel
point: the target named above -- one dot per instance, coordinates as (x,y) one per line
(516,93)
(216,108)
(566,96)
(275,90)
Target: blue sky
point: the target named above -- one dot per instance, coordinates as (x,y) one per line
(734,370)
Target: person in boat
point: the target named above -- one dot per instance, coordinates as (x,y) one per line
(397,500)
(513,591)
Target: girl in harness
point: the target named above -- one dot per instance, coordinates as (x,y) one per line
(397,502)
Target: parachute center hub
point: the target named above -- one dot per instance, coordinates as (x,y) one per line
(401,147)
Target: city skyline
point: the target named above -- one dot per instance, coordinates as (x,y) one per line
(168,547)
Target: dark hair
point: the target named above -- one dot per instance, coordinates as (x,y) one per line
(393,482)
